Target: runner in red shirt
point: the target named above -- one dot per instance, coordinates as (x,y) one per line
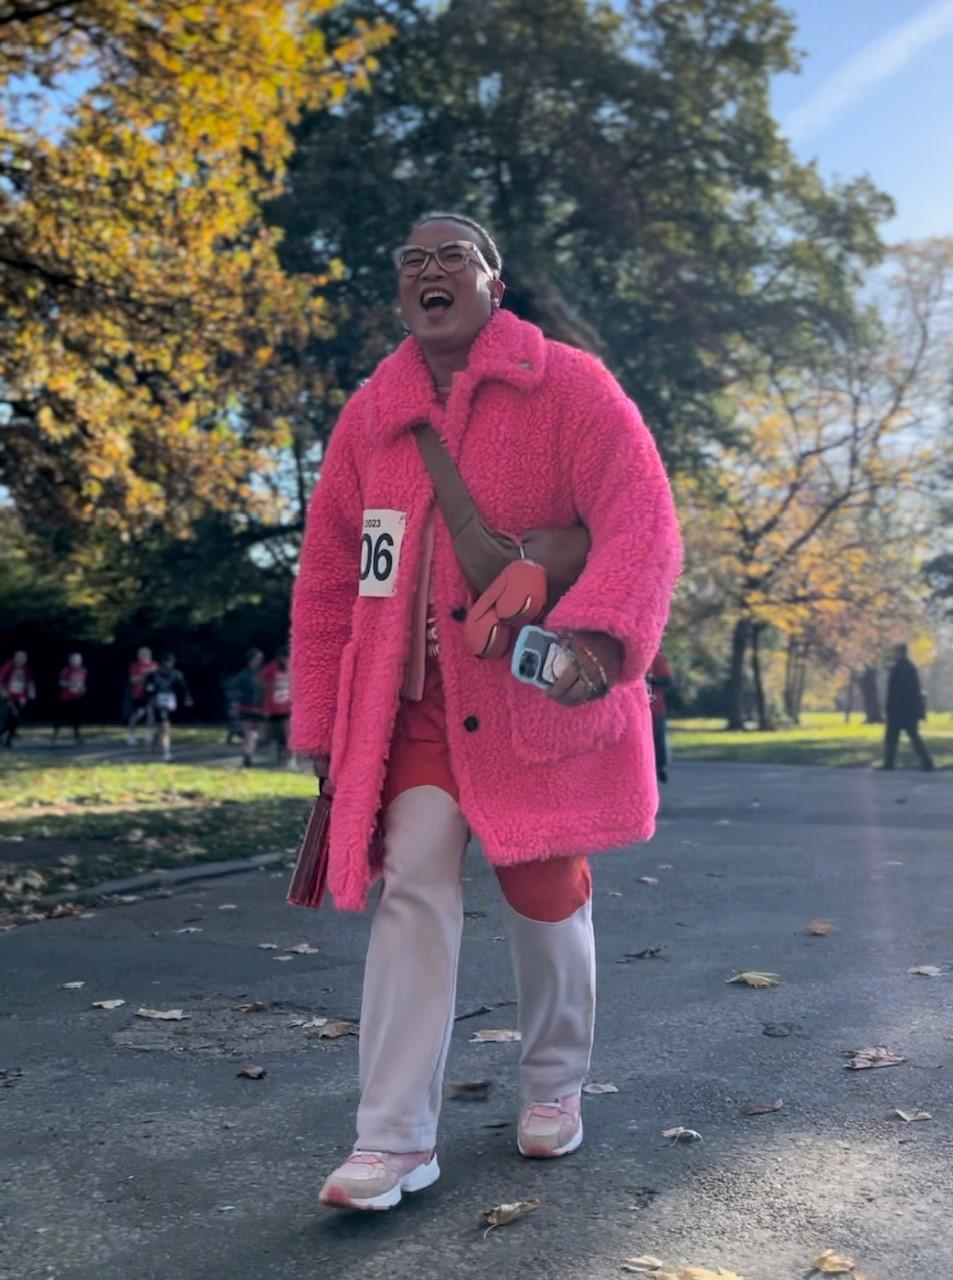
(276,679)
(138,701)
(72,699)
(660,683)
(16,691)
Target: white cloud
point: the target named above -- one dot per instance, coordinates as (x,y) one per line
(870,66)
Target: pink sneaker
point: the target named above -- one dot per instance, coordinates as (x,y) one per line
(376,1179)
(548,1129)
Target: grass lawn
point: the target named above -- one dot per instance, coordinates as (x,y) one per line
(822,738)
(66,824)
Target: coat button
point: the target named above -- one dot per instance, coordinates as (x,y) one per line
(471,724)
(459,614)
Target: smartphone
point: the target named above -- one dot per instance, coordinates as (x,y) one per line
(539,658)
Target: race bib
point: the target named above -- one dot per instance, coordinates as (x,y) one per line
(380,552)
(166,701)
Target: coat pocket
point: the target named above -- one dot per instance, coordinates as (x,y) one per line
(342,710)
(544,732)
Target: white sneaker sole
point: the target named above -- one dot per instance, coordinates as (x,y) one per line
(574,1143)
(425,1175)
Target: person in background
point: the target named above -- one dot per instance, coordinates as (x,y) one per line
(138,702)
(660,683)
(276,680)
(17,690)
(906,707)
(72,698)
(165,689)
(250,695)
(233,728)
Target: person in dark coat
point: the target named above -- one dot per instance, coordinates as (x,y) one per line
(905,709)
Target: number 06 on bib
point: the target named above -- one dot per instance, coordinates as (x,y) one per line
(381,542)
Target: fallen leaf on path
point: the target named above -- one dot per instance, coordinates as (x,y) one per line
(128,897)
(252,1071)
(282,958)
(915,1114)
(614,893)
(250,1006)
(189,928)
(162,1015)
(762,1108)
(703,1273)
(819,928)
(648,879)
(228,906)
(268,946)
(503,1214)
(893,863)
(469,1090)
(309,1024)
(780,1029)
(681,1134)
(335,1030)
(303,949)
(108,1004)
(665,866)
(752,978)
(647,953)
(876,1056)
(492,1036)
(646,1264)
(927,970)
(832,1263)
(72,986)
(599,1088)
(135,835)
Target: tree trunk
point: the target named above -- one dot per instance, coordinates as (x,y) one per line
(870,695)
(761,704)
(801,682)
(849,699)
(736,679)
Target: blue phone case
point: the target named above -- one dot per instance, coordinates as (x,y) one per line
(530,654)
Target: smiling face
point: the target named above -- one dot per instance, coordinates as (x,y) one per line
(446,310)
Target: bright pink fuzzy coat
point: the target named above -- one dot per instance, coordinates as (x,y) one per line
(544,436)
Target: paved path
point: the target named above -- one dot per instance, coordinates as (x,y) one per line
(132,1151)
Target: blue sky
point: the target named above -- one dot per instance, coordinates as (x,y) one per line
(875,96)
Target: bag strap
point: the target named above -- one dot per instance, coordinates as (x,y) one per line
(455,502)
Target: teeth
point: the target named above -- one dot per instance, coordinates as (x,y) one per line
(435,293)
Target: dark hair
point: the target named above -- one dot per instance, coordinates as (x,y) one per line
(489,246)
(252,654)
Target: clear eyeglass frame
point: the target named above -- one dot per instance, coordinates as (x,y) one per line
(451,256)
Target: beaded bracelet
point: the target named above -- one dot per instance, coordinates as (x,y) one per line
(579,644)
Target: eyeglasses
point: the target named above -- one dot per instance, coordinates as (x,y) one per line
(452,256)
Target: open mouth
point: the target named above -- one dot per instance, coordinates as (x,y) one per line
(436,299)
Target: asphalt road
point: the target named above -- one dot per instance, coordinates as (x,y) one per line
(132,1150)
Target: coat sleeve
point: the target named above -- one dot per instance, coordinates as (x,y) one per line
(622,496)
(326,588)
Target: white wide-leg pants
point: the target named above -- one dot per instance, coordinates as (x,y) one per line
(410,982)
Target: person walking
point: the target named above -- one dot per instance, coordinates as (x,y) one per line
(17,691)
(249,694)
(72,698)
(660,684)
(276,682)
(165,689)
(906,707)
(139,707)
(409,728)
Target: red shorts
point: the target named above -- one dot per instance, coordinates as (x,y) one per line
(547,890)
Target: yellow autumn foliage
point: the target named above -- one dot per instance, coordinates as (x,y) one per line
(149,338)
